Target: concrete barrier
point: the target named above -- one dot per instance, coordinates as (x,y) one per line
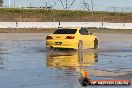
(65,24)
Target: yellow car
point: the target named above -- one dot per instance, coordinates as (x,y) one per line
(75,38)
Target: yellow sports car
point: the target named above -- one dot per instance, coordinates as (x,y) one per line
(75,38)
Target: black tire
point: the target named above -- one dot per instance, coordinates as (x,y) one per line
(51,49)
(80,46)
(95,43)
(48,49)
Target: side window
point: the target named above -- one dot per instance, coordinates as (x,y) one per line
(83,31)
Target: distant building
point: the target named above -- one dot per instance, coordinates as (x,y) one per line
(1,3)
(47,8)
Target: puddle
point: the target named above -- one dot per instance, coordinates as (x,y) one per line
(27,64)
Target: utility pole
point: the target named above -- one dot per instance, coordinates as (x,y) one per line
(20,3)
(9,3)
(66,4)
(92,10)
(46,4)
(114,8)
(30,5)
(25,4)
(122,10)
(14,4)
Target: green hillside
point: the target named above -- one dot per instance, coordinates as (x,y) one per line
(37,15)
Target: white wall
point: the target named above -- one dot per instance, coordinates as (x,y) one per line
(65,24)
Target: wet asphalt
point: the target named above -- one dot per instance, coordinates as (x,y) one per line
(27,64)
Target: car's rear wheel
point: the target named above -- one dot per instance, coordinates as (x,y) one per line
(48,49)
(95,43)
(51,49)
(80,46)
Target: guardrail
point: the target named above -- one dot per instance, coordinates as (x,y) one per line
(65,24)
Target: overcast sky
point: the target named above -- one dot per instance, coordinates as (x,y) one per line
(102,5)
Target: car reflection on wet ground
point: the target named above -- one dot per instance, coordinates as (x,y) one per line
(27,64)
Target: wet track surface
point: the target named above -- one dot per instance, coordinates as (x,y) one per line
(27,64)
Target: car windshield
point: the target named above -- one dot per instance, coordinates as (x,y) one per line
(65,31)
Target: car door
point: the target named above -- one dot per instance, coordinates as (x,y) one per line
(85,37)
